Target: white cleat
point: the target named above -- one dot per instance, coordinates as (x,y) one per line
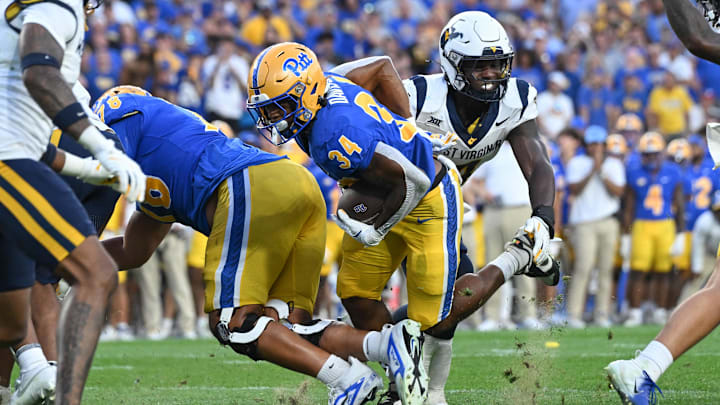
(361,385)
(36,388)
(632,383)
(404,354)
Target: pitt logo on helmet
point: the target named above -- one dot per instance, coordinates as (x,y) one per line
(302,62)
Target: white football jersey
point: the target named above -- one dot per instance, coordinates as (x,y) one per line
(24,128)
(435,112)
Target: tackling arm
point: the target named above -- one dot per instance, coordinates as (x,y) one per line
(377,75)
(532,157)
(142,236)
(693,30)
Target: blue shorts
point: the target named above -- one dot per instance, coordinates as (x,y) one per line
(40,214)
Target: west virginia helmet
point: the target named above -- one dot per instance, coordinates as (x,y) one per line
(286,83)
(651,142)
(616,144)
(678,150)
(469,41)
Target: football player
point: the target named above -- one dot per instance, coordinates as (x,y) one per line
(37,376)
(691,321)
(265,219)
(353,138)
(40,219)
(476,98)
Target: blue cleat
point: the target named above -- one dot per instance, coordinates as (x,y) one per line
(632,383)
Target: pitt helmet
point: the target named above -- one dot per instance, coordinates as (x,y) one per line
(286,83)
(678,150)
(629,123)
(616,144)
(471,42)
(651,142)
(125,89)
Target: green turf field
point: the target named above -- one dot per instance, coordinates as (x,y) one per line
(488,368)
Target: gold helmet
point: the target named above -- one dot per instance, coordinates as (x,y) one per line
(629,122)
(125,89)
(616,144)
(651,142)
(678,150)
(285,84)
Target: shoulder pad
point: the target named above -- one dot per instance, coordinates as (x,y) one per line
(437,89)
(519,94)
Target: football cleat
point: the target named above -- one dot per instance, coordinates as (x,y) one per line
(522,244)
(632,383)
(361,384)
(36,388)
(404,353)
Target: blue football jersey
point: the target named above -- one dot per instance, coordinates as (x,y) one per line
(701,186)
(345,133)
(328,187)
(184,156)
(654,193)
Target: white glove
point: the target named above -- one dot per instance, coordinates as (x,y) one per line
(678,246)
(130,178)
(540,232)
(441,143)
(361,232)
(88,170)
(625,246)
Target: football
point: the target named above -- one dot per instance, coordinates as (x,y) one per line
(362,202)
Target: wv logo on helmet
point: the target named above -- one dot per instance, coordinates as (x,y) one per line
(297,65)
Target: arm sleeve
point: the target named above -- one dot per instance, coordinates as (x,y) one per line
(58,21)
(349,150)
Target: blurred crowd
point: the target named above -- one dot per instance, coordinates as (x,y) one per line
(607,72)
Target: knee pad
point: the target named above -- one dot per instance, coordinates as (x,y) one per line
(312,331)
(243,339)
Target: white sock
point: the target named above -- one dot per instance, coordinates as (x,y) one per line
(373,347)
(507,263)
(438,366)
(655,359)
(30,357)
(333,370)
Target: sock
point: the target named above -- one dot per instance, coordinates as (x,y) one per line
(438,364)
(373,346)
(333,370)
(507,263)
(30,357)
(655,359)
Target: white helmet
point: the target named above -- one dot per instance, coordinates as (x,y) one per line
(469,38)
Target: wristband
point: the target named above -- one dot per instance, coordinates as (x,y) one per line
(547,214)
(69,115)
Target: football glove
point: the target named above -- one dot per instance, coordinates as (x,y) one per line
(521,247)
(441,143)
(539,232)
(361,232)
(711,12)
(88,170)
(130,178)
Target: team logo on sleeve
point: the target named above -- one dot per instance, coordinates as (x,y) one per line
(297,65)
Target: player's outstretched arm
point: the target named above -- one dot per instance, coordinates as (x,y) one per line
(532,157)
(142,236)
(378,75)
(693,30)
(41,59)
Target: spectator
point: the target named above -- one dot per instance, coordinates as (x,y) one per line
(225,76)
(631,98)
(555,108)
(254,30)
(668,107)
(594,99)
(596,182)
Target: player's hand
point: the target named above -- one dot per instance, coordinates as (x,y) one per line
(91,171)
(130,179)
(441,143)
(361,232)
(678,246)
(539,231)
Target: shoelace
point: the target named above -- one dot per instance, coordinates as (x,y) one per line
(649,384)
